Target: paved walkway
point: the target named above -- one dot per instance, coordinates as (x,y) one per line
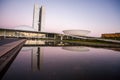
(6,41)
(9,44)
(108,40)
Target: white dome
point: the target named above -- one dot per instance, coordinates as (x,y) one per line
(76,32)
(78,48)
(24,27)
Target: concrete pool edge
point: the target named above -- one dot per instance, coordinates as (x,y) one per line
(8,56)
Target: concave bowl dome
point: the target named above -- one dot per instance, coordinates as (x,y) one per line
(78,49)
(24,27)
(76,32)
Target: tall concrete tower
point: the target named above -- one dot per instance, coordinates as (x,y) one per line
(38,17)
(41,18)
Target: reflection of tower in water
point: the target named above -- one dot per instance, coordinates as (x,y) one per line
(37,58)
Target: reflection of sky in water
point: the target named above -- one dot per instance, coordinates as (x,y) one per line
(59,64)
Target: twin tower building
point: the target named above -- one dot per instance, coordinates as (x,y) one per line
(38,17)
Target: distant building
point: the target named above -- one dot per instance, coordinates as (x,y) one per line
(38,17)
(111,36)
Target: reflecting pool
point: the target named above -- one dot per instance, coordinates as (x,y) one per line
(64,63)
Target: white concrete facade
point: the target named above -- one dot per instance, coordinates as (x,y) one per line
(42,18)
(38,17)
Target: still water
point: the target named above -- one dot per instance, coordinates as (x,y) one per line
(64,63)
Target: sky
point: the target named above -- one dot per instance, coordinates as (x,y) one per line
(97,16)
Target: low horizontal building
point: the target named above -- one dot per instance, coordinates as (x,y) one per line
(28,34)
(111,36)
(13,33)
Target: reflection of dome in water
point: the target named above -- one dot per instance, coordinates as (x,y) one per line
(27,48)
(76,32)
(24,27)
(78,48)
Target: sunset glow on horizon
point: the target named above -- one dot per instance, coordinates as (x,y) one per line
(97,16)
